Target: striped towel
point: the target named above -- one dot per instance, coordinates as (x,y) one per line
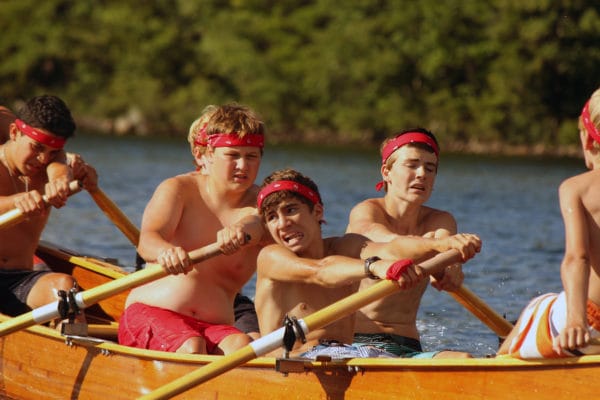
(541,321)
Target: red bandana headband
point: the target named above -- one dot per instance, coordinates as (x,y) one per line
(56,142)
(200,139)
(588,124)
(407,138)
(403,140)
(233,139)
(278,186)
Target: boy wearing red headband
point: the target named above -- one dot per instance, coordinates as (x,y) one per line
(32,165)
(191,310)
(409,163)
(245,313)
(561,325)
(304,272)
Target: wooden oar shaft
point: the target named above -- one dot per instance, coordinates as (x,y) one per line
(15,215)
(150,273)
(481,310)
(94,295)
(311,322)
(116,216)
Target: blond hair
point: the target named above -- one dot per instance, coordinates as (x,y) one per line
(196,127)
(236,118)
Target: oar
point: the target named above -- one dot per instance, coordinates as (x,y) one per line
(481,310)
(94,295)
(314,321)
(116,216)
(15,215)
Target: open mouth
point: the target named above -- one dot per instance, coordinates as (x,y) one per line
(240,177)
(292,238)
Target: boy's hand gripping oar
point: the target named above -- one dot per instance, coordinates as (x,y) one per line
(16,215)
(314,321)
(481,310)
(94,295)
(116,216)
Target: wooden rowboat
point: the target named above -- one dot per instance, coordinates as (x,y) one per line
(40,363)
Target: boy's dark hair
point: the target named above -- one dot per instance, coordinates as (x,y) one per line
(50,113)
(287,174)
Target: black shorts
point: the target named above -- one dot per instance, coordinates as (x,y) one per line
(15,286)
(245,314)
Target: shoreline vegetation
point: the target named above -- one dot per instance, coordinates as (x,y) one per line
(134,128)
(494,77)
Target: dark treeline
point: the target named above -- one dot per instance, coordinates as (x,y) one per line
(477,73)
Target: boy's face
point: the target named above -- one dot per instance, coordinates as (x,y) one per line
(31,157)
(412,174)
(236,165)
(292,224)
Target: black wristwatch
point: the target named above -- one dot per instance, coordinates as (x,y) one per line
(368,263)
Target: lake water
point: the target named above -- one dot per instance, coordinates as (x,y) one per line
(511,203)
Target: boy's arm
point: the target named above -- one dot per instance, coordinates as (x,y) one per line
(575,267)
(159,224)
(249,230)
(277,263)
(59,169)
(368,219)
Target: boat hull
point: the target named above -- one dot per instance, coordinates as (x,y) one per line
(39,363)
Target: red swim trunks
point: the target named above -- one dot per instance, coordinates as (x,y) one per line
(155,328)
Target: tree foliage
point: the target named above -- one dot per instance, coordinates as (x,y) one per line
(509,71)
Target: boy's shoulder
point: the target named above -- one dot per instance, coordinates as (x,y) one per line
(348,245)
(584,185)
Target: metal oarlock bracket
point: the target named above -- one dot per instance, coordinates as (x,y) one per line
(293,332)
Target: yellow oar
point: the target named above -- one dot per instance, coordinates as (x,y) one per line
(15,215)
(94,295)
(481,310)
(314,321)
(116,216)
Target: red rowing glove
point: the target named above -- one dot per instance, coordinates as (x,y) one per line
(395,271)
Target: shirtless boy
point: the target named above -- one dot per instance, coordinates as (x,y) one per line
(561,325)
(409,167)
(304,272)
(35,142)
(244,310)
(192,312)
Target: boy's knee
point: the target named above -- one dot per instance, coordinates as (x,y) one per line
(194,345)
(234,342)
(63,282)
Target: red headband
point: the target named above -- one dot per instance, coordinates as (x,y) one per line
(278,186)
(200,139)
(56,142)
(406,138)
(233,139)
(588,124)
